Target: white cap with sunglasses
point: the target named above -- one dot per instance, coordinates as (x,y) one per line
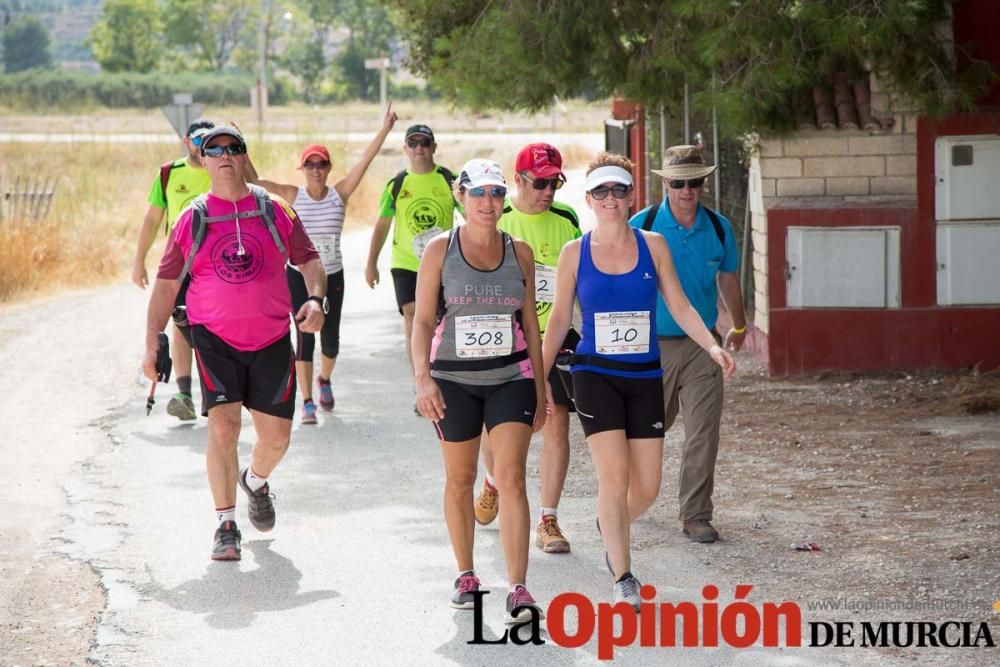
(477,173)
(608,174)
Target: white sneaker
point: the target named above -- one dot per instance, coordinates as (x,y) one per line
(627,590)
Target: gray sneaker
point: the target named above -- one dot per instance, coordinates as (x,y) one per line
(182,407)
(260,508)
(519,604)
(465,586)
(227,542)
(627,590)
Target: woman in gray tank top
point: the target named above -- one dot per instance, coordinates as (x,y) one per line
(477,363)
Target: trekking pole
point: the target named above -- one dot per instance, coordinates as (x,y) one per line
(163,366)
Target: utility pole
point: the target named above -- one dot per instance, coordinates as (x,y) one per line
(261,96)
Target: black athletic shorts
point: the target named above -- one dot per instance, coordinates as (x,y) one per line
(559,395)
(611,403)
(263,380)
(469,406)
(405,283)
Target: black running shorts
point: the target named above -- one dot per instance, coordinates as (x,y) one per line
(263,380)
(556,380)
(611,403)
(405,283)
(469,406)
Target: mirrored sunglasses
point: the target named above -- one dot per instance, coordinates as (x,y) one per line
(219,151)
(422,143)
(618,191)
(542,183)
(496,192)
(693,183)
(196,140)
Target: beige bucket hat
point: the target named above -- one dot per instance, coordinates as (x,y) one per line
(682,163)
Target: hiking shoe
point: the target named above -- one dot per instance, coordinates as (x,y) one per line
(465,586)
(627,590)
(309,413)
(607,559)
(182,407)
(325,395)
(700,530)
(518,604)
(260,508)
(487,504)
(227,542)
(549,538)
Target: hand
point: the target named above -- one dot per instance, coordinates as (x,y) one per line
(371,275)
(310,317)
(430,401)
(149,365)
(541,412)
(734,341)
(722,358)
(139,276)
(390,118)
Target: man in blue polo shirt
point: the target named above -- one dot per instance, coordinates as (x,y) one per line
(706,258)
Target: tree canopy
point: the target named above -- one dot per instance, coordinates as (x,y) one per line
(128,37)
(26,44)
(752,59)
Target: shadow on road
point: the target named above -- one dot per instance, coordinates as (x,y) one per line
(232,598)
(459,650)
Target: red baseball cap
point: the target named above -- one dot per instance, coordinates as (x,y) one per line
(543,160)
(314,149)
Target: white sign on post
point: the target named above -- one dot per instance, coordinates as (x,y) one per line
(382,65)
(182,112)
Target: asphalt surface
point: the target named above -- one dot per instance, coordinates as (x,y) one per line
(359,568)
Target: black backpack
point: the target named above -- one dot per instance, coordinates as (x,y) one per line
(647,222)
(200,219)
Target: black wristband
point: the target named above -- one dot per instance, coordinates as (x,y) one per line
(323,303)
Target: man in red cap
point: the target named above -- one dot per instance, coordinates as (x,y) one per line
(534,216)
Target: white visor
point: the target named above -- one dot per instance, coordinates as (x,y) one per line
(608,174)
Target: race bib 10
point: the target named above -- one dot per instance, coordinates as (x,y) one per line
(622,332)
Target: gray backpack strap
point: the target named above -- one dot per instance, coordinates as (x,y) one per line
(199,218)
(265,208)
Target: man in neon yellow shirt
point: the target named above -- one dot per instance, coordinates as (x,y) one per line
(176,184)
(420,200)
(534,216)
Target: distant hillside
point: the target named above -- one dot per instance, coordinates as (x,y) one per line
(69,22)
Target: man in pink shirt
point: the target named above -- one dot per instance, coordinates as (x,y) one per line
(238,306)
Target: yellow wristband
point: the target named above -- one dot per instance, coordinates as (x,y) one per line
(742,329)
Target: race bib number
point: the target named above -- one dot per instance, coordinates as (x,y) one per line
(482,336)
(421,240)
(545,283)
(622,333)
(326,246)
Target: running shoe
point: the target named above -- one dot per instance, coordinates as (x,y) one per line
(182,407)
(549,538)
(465,586)
(260,508)
(309,413)
(325,394)
(518,604)
(487,504)
(627,590)
(227,542)
(607,559)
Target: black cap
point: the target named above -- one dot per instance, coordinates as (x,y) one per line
(419,129)
(200,124)
(223,130)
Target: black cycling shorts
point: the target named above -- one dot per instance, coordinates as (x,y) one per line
(329,335)
(557,378)
(468,407)
(263,380)
(611,403)
(405,284)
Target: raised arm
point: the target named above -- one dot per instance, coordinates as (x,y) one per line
(284,190)
(346,186)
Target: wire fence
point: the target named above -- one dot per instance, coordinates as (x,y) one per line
(26,199)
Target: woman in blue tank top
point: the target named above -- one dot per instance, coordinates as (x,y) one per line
(615,272)
(477,363)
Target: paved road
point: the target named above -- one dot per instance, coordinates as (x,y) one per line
(359,567)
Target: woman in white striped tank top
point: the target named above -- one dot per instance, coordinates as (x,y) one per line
(321,209)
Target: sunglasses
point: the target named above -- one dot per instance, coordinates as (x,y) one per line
(693,183)
(316,165)
(618,191)
(542,183)
(219,151)
(496,192)
(196,140)
(422,143)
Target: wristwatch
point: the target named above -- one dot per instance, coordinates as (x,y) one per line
(323,303)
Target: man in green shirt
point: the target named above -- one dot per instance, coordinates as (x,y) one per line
(176,184)
(420,200)
(546,225)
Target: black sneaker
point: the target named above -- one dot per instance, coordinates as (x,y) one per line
(260,507)
(227,542)
(465,586)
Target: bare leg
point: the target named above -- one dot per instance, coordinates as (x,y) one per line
(181,354)
(645,470)
(272,442)
(408,310)
(221,457)
(610,452)
(554,461)
(487,451)
(460,460)
(326,366)
(510,452)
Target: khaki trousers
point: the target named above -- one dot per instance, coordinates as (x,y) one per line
(692,385)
